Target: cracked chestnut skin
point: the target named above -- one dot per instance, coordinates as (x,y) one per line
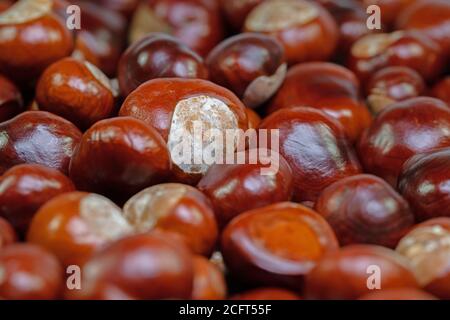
(343,274)
(38,137)
(7,233)
(118,157)
(25,188)
(327,87)
(316,148)
(11,102)
(365,209)
(401,131)
(423,183)
(209,281)
(41,275)
(276,245)
(165,57)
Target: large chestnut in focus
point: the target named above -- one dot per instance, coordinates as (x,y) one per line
(77,91)
(441,90)
(251,65)
(7,233)
(401,48)
(146,267)
(276,245)
(352,272)
(365,209)
(177,208)
(31,38)
(37,137)
(305,29)
(158,56)
(405,129)
(328,87)
(316,148)
(235,188)
(178,108)
(11,102)
(76,224)
(25,188)
(29,273)
(118,157)
(209,281)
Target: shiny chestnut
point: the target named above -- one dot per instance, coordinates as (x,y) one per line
(76,224)
(77,91)
(305,29)
(346,274)
(209,281)
(11,102)
(316,148)
(251,65)
(365,209)
(158,55)
(266,294)
(37,137)
(7,233)
(177,208)
(276,245)
(441,90)
(405,129)
(25,188)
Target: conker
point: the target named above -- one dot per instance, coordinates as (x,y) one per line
(209,281)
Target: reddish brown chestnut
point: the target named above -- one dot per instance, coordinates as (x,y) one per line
(316,148)
(365,209)
(31,38)
(266,294)
(11,102)
(209,281)
(305,29)
(76,224)
(406,128)
(352,272)
(29,273)
(76,91)
(177,208)
(398,294)
(119,157)
(441,90)
(276,245)
(328,87)
(25,188)
(254,119)
(158,56)
(37,137)
(389,9)
(251,65)
(7,233)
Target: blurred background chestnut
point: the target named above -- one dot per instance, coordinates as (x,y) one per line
(209,281)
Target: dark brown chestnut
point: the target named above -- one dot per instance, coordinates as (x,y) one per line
(11,102)
(441,90)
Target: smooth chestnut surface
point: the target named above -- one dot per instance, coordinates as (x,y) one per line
(441,90)
(235,188)
(276,245)
(427,249)
(403,130)
(7,233)
(25,188)
(37,137)
(344,274)
(197,23)
(158,55)
(146,266)
(209,281)
(399,294)
(315,147)
(249,64)
(32,38)
(327,87)
(177,208)
(29,272)
(365,209)
(305,29)
(236,11)
(266,294)
(77,91)
(423,183)
(393,84)
(11,102)
(174,107)
(118,157)
(76,224)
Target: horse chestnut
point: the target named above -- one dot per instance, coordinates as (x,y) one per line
(209,281)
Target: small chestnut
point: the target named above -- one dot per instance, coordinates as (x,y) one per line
(276,245)
(74,225)
(158,55)
(398,294)
(250,64)
(365,209)
(266,294)
(209,281)
(7,233)
(305,29)
(441,90)
(403,130)
(11,102)
(25,188)
(176,208)
(77,91)
(37,137)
